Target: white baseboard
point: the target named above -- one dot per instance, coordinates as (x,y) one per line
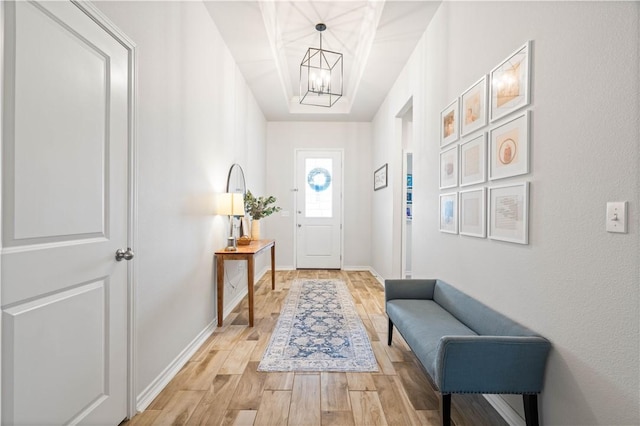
(285,268)
(376,275)
(355,268)
(510,415)
(147,396)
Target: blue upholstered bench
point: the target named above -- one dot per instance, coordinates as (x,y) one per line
(465,346)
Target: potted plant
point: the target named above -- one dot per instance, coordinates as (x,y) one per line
(258,208)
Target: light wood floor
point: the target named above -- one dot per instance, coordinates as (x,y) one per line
(220,385)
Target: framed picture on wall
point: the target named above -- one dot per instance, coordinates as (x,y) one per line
(510,83)
(473,209)
(449,124)
(449,213)
(509,213)
(473,161)
(380,178)
(474,107)
(509,148)
(449,168)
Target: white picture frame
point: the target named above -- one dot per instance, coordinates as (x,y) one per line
(511,83)
(449,124)
(473,107)
(509,213)
(449,213)
(472,215)
(449,168)
(473,161)
(509,148)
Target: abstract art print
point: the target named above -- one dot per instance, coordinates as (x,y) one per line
(473,209)
(449,168)
(510,83)
(474,107)
(509,148)
(449,124)
(449,213)
(509,213)
(473,161)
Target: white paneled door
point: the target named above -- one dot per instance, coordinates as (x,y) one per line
(318,209)
(65,148)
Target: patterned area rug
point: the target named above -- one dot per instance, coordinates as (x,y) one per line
(319,330)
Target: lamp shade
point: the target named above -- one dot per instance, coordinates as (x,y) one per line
(229,204)
(237,204)
(224,204)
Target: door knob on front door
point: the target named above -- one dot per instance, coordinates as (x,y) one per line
(126,255)
(299,226)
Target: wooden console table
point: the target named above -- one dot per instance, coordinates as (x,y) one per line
(247,253)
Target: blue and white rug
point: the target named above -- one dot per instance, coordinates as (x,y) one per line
(319,330)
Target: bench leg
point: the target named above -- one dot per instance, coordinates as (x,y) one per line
(531,409)
(390,332)
(445,409)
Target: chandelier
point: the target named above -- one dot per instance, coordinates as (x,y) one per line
(321,75)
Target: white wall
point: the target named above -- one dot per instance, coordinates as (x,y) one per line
(196,117)
(574,283)
(283,138)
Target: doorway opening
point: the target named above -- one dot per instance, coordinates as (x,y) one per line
(405,117)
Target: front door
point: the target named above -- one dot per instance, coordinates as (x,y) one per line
(65,86)
(319,209)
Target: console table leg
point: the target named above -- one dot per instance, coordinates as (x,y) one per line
(220,283)
(273,267)
(250,282)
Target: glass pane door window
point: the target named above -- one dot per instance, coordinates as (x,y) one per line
(319,194)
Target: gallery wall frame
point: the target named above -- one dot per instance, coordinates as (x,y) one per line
(473,161)
(474,107)
(449,168)
(380,178)
(511,83)
(473,212)
(509,148)
(509,213)
(449,213)
(449,124)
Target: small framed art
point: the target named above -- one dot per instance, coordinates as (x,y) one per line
(509,148)
(473,209)
(449,213)
(510,83)
(473,161)
(449,168)
(449,124)
(509,213)
(474,107)
(380,178)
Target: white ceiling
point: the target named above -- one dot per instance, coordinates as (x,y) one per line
(269,38)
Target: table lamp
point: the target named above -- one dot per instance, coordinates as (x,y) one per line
(232,205)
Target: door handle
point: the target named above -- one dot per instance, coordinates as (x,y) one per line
(299,226)
(126,255)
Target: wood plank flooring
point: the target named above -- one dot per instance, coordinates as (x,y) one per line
(220,385)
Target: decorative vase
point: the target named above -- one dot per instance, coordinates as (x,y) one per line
(255,230)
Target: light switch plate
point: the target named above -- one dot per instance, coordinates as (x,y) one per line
(617,217)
